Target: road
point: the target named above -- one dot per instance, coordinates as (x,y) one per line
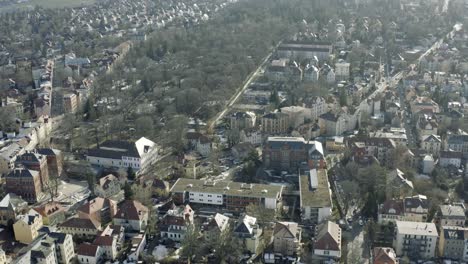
(252,76)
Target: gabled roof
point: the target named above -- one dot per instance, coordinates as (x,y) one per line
(131,210)
(218,222)
(87,250)
(96,205)
(79,223)
(290,227)
(246,225)
(384,255)
(105,181)
(13,202)
(328,237)
(50,209)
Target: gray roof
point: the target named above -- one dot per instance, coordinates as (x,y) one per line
(448,210)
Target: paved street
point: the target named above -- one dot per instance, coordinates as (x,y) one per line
(358,247)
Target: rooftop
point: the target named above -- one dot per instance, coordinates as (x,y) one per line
(456,210)
(227,188)
(416,228)
(315,197)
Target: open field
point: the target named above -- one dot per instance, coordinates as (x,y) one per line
(7,6)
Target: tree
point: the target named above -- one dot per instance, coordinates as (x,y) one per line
(91,179)
(144,126)
(130,173)
(52,185)
(226,247)
(7,119)
(260,212)
(128,192)
(350,193)
(190,245)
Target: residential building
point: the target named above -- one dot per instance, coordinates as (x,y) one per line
(24,183)
(275,123)
(230,195)
(53,213)
(242,120)
(397,186)
(458,143)
(398,135)
(332,124)
(8,155)
(252,136)
(311,73)
(292,153)
(80,227)
(132,215)
(215,226)
(424,104)
(287,238)
(107,186)
(54,160)
(415,209)
(427,125)
(175,223)
(450,158)
(453,243)
(384,255)
(123,154)
(108,244)
(70,103)
(64,248)
(432,144)
(451,215)
(367,149)
(305,49)
(99,210)
(327,243)
(342,70)
(89,254)
(315,196)
(36,162)
(44,252)
(415,239)
(317,106)
(11,206)
(200,143)
(428,164)
(298,115)
(249,232)
(27,226)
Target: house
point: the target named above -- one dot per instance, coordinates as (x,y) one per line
(298,115)
(451,215)
(428,164)
(175,222)
(431,144)
(132,215)
(227,194)
(99,210)
(26,227)
(215,226)
(44,252)
(242,150)
(107,186)
(36,162)
(415,208)
(64,248)
(70,103)
(200,143)
(251,135)
(415,240)
(315,196)
(305,49)
(24,183)
(327,243)
(123,154)
(424,104)
(10,207)
(311,73)
(275,123)
(54,160)
(453,243)
(249,232)
(89,254)
(287,238)
(397,185)
(242,120)
(292,153)
(427,125)
(332,124)
(384,255)
(138,242)
(317,106)
(53,213)
(108,244)
(365,149)
(342,70)
(458,143)
(8,156)
(80,227)
(450,158)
